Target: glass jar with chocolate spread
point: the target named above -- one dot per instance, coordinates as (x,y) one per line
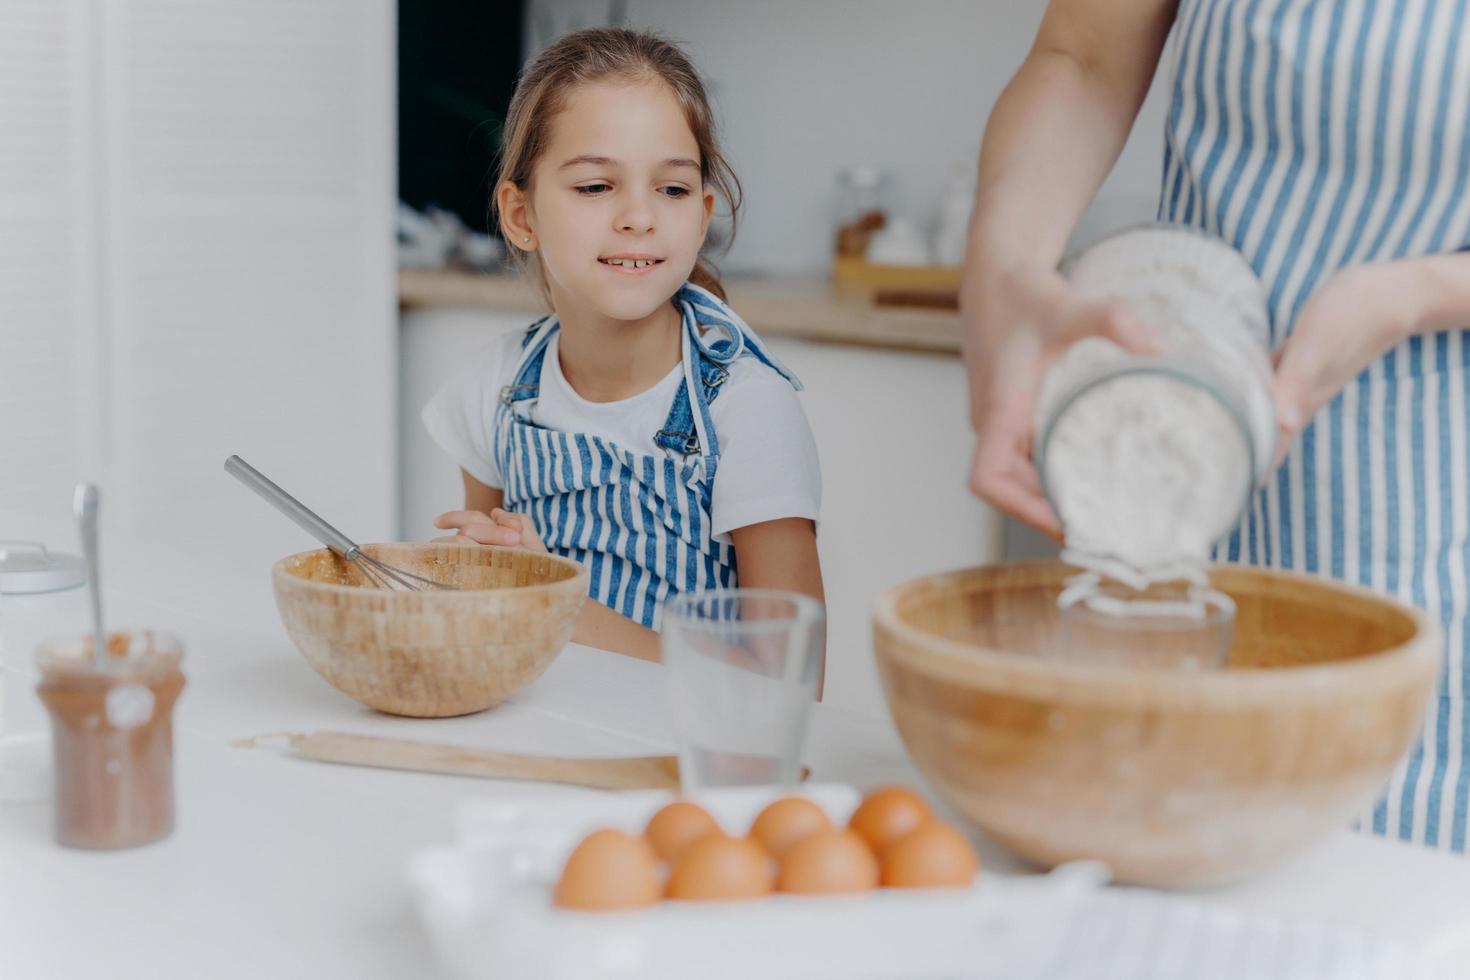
(112,736)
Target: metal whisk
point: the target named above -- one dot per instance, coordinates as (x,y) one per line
(379,573)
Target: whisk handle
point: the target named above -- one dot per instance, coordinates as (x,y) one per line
(291,507)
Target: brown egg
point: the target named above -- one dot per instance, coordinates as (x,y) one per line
(609,870)
(676,826)
(827,862)
(720,867)
(887,814)
(935,855)
(787,821)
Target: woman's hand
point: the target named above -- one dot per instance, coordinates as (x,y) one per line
(1017,325)
(501,527)
(1351,320)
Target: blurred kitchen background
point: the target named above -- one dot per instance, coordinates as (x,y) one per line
(261,228)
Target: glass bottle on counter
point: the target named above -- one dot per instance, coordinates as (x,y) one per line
(860,211)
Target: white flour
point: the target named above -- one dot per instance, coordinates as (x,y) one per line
(1149,461)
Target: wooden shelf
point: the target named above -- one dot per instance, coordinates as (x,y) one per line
(807,309)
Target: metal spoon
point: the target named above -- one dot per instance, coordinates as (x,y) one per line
(84,503)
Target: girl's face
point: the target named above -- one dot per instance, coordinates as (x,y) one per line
(617,208)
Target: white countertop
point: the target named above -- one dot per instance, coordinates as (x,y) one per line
(286,868)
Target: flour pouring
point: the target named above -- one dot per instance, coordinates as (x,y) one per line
(1149,461)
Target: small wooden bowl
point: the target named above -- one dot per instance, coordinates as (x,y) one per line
(431,654)
(1172,777)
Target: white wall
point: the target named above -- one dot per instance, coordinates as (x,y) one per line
(196,259)
(804,88)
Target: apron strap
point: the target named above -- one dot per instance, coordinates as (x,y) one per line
(527,383)
(689,427)
(714,314)
(681,429)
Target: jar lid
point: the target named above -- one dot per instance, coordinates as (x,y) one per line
(26,567)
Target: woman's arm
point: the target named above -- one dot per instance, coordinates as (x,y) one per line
(1356,316)
(1440,285)
(1052,137)
(782,554)
(1058,127)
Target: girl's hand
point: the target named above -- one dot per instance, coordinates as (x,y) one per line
(1351,320)
(500,527)
(1017,324)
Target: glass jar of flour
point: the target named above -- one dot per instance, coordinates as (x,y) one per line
(1151,460)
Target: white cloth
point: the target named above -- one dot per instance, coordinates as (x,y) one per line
(768,458)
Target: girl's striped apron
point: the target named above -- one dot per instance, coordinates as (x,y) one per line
(1312,136)
(640,523)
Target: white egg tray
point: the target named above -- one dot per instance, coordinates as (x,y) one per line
(485,902)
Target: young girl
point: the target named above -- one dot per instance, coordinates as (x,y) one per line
(642,428)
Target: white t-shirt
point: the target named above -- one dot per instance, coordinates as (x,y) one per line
(768,458)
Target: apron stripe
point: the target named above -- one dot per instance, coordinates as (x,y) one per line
(579,500)
(1381,488)
(1367,447)
(1458,198)
(1417,232)
(1459,563)
(1398,524)
(1246,128)
(1272,253)
(1336,163)
(1270,96)
(1437,585)
(1201,110)
(1275,105)
(1178,111)
(615,530)
(1416,389)
(674,557)
(1227,123)
(1411,101)
(635,571)
(652,545)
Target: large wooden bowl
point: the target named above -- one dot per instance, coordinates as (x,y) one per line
(436,653)
(1172,777)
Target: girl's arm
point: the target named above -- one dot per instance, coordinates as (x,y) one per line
(479,497)
(781,554)
(778,554)
(1052,137)
(600,627)
(484,521)
(773,555)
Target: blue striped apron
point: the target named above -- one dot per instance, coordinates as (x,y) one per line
(1314,136)
(639,522)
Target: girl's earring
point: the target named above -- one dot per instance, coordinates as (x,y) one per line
(526,239)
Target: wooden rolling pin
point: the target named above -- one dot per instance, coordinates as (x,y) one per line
(637,772)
